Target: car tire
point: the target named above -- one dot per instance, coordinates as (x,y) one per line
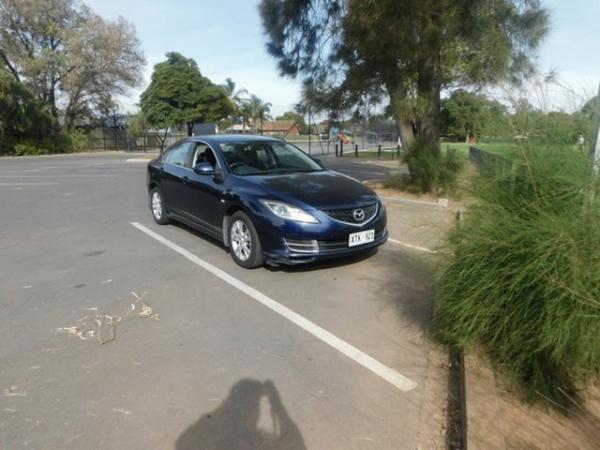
(158,207)
(244,243)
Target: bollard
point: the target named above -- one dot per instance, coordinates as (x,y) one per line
(379,150)
(341,148)
(356,150)
(336,150)
(398,151)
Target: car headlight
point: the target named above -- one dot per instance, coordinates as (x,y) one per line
(381,204)
(289,212)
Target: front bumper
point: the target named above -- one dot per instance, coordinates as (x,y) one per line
(331,250)
(331,238)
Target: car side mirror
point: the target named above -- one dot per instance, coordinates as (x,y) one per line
(319,162)
(204,168)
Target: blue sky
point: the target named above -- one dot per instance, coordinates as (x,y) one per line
(225,37)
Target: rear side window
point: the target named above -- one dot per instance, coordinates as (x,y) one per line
(178,155)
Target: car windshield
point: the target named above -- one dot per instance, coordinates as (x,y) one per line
(266,158)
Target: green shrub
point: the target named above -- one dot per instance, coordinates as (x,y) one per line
(522,275)
(449,169)
(430,170)
(79,141)
(29,150)
(423,163)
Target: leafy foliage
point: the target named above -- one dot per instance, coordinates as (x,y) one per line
(297,118)
(67,55)
(522,276)
(358,52)
(256,109)
(178,94)
(431,171)
(466,115)
(22,116)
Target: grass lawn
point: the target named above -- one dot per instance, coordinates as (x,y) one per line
(502,149)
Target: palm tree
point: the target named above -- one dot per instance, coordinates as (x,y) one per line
(257,110)
(235,96)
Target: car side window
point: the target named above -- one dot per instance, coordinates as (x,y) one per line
(178,154)
(204,154)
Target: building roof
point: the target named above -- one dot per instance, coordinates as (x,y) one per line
(278,125)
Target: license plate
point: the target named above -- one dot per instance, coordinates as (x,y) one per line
(362,237)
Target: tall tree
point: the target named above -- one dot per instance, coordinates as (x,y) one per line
(178,94)
(354,52)
(69,57)
(469,115)
(256,109)
(297,118)
(235,95)
(22,116)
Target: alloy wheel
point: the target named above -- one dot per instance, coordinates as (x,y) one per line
(241,240)
(157,205)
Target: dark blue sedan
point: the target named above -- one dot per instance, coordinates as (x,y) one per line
(265,199)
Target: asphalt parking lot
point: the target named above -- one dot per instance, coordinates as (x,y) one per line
(212,356)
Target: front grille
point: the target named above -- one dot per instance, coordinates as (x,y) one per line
(348,216)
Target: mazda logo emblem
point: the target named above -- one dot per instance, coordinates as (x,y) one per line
(358,215)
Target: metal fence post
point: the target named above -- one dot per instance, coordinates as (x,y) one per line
(356,150)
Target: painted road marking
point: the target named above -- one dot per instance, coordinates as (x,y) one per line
(69,175)
(415,247)
(28,184)
(391,376)
(138,160)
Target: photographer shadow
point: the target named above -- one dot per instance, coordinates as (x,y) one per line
(239,422)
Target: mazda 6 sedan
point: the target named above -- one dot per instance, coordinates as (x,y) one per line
(265,199)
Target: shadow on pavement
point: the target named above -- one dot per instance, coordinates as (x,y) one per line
(239,423)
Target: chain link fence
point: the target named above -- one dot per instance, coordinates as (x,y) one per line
(336,139)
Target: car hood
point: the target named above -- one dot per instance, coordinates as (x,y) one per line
(321,190)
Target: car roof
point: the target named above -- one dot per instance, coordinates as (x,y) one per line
(230,138)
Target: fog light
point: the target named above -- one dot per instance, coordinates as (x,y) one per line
(301,246)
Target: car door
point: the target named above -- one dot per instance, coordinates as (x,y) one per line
(173,172)
(203,193)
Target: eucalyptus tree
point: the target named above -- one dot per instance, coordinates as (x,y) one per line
(69,57)
(356,52)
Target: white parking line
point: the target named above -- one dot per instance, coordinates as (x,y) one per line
(138,160)
(67,175)
(415,247)
(389,375)
(28,184)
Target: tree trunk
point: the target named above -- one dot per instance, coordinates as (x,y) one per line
(404,123)
(405,131)
(428,90)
